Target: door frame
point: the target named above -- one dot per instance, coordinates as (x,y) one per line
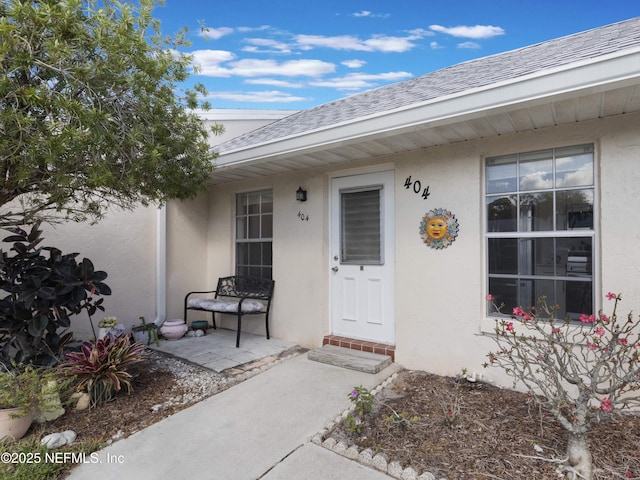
(389,240)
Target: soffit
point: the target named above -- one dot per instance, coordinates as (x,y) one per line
(499,121)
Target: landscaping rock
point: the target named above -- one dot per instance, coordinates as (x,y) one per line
(352,452)
(329,443)
(395,470)
(51,406)
(83,400)
(409,474)
(427,476)
(57,440)
(380,462)
(366,457)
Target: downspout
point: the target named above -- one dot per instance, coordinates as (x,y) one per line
(161,266)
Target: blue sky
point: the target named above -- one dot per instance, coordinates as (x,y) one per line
(295,54)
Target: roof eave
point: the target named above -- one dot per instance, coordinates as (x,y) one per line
(591,76)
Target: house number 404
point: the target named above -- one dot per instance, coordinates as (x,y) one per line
(417,187)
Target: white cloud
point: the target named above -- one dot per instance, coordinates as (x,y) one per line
(470,45)
(208,62)
(354,63)
(273,82)
(252,67)
(360,81)
(476,31)
(435,46)
(257,97)
(266,45)
(420,33)
(215,33)
(390,44)
(254,29)
(378,43)
(367,13)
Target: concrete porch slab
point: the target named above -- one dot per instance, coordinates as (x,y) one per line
(352,359)
(217,349)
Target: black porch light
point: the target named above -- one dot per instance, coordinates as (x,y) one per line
(301,195)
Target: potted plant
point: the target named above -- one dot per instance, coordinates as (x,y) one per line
(108,326)
(22,389)
(145,333)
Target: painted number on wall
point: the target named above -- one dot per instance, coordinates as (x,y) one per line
(304,217)
(417,187)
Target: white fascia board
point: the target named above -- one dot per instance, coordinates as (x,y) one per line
(600,74)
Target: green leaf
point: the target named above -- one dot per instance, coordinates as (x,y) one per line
(37,325)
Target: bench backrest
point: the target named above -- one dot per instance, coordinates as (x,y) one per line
(244,286)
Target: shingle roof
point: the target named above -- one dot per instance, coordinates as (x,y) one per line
(451,80)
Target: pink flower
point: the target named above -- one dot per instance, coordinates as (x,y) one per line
(490,298)
(623,341)
(592,346)
(556,330)
(605,404)
(526,316)
(584,318)
(611,296)
(510,327)
(604,318)
(599,331)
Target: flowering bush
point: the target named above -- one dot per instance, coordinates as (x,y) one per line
(362,400)
(583,373)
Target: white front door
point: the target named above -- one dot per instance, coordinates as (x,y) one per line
(362,257)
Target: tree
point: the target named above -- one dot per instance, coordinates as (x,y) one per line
(581,373)
(90,114)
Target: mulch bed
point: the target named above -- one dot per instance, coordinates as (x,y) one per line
(468,430)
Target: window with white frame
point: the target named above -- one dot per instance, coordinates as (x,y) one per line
(254,232)
(540,236)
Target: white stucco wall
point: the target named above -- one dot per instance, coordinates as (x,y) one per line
(439,293)
(122,244)
(299,262)
(620,211)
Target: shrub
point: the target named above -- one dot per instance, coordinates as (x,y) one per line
(101,366)
(25,388)
(42,289)
(582,373)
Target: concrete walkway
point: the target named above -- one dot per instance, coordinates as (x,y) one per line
(258,429)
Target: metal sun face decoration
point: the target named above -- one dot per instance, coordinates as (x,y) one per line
(439,228)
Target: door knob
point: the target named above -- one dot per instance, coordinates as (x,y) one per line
(335,269)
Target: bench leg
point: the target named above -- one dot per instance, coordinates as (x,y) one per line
(238,333)
(213,319)
(266,323)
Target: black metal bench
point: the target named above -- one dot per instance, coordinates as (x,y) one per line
(235,295)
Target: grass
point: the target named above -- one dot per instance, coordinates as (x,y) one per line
(29,460)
